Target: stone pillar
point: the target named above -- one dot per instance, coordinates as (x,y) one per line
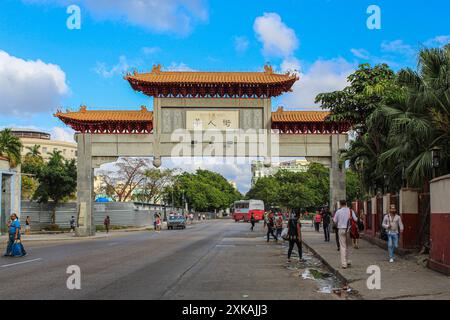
(337,174)
(373,204)
(440,225)
(409,210)
(85,186)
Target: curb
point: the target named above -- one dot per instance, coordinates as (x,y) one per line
(335,271)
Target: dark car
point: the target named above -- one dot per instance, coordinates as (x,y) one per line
(175,222)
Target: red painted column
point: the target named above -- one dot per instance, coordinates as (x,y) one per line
(440,224)
(409,210)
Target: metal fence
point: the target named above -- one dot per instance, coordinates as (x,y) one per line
(121,213)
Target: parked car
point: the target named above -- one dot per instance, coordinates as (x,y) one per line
(175,222)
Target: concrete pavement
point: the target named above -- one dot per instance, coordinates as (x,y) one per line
(403,279)
(213,260)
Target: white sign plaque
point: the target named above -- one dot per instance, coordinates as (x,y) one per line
(205,120)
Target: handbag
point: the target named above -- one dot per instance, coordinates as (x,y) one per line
(17,249)
(284,234)
(360,225)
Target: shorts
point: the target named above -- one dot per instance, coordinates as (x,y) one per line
(27,228)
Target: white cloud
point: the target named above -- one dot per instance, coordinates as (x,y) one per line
(28,86)
(151,50)
(438,41)
(241,44)
(235,169)
(278,39)
(175,66)
(361,53)
(398,47)
(178,16)
(321,76)
(62,134)
(107,72)
(290,64)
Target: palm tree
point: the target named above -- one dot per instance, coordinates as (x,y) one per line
(420,120)
(34,151)
(10,147)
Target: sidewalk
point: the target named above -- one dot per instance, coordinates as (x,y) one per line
(70,236)
(404,279)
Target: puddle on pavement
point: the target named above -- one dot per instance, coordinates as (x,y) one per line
(312,269)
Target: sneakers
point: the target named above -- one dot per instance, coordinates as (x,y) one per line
(391,260)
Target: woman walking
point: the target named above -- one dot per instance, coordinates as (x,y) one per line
(295,236)
(317,220)
(354,230)
(14,238)
(27,225)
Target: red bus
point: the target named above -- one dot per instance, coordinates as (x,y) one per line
(243,210)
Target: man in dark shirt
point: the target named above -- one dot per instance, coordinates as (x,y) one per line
(326,219)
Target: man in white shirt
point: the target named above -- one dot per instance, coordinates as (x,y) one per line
(341,219)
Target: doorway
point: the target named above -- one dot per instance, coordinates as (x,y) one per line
(5,203)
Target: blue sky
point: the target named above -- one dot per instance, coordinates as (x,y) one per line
(45,66)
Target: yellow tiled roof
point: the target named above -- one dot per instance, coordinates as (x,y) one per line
(299,116)
(107,115)
(195,77)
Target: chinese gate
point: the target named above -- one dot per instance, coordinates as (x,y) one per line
(220,114)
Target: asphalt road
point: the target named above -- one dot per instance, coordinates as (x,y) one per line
(212,260)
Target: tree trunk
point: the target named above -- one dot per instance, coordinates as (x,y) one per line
(55,204)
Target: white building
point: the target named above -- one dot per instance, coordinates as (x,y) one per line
(30,137)
(259,170)
(10,192)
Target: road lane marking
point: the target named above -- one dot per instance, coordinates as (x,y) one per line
(22,262)
(113,244)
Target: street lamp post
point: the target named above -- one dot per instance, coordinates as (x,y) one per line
(436,160)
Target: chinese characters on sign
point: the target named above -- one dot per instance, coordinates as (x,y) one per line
(205,120)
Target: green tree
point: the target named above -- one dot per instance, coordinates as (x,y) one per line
(266,189)
(10,147)
(57,181)
(203,190)
(356,102)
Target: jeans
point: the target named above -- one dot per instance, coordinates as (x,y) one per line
(326,231)
(392,243)
(291,247)
(270,232)
(279,231)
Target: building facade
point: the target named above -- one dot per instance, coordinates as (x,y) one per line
(10,192)
(31,138)
(259,170)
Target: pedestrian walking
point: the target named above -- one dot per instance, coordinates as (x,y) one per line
(336,232)
(252,221)
(27,225)
(271,227)
(294,236)
(317,221)
(354,232)
(279,225)
(342,219)
(15,246)
(158,223)
(72,224)
(393,224)
(326,220)
(107,223)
